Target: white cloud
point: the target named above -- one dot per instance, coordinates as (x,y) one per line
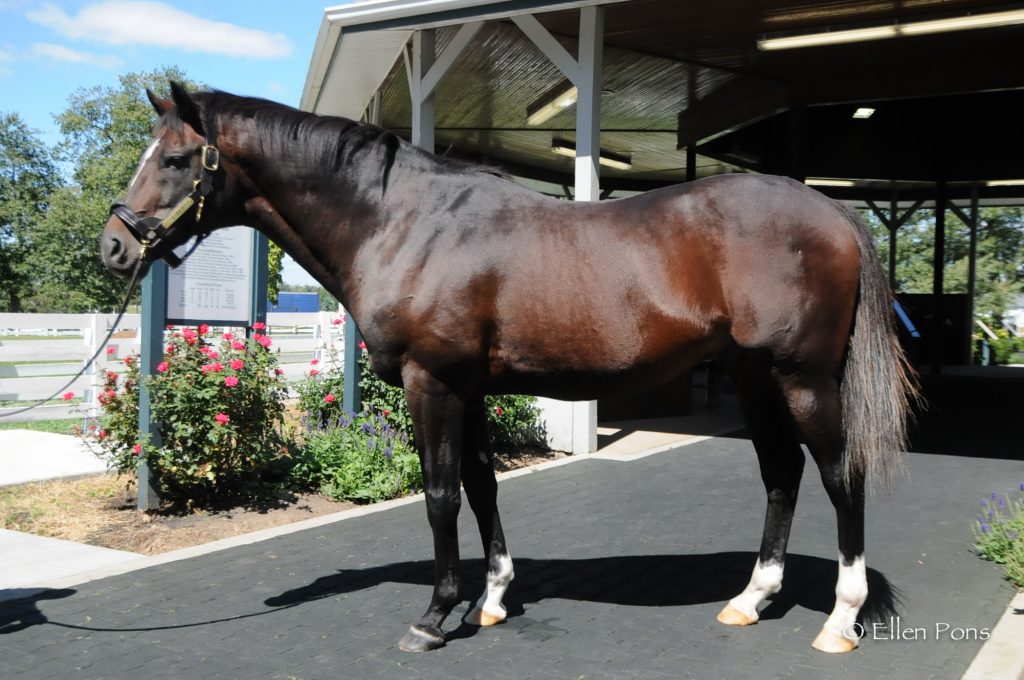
(71,56)
(139,22)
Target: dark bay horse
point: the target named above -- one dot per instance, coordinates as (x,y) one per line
(464,283)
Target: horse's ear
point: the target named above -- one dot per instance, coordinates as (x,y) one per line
(161,106)
(188,110)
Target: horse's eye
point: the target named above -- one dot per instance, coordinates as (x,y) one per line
(176,162)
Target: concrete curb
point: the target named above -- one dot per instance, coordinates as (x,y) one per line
(1002,655)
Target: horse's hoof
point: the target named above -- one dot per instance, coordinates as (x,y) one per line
(830,643)
(731,616)
(421,639)
(482,617)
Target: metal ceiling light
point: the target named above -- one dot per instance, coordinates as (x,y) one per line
(561,97)
(1005,183)
(962,23)
(863,113)
(606,158)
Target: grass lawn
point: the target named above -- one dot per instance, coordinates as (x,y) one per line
(62,426)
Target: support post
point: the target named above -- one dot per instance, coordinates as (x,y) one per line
(423,56)
(893,225)
(351,397)
(154,318)
(261,273)
(588,183)
(938,276)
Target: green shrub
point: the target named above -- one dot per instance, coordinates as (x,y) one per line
(360,458)
(320,392)
(999,532)
(220,406)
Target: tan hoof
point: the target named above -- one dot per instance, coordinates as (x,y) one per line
(481,617)
(731,616)
(830,643)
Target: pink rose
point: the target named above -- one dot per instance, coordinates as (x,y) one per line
(314,362)
(238,344)
(230,381)
(162,367)
(313,372)
(137,449)
(68,396)
(237,364)
(329,398)
(111,350)
(362,346)
(259,326)
(222,418)
(229,336)
(203,329)
(264,340)
(499,410)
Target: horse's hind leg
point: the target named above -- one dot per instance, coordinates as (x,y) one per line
(781,460)
(482,490)
(814,402)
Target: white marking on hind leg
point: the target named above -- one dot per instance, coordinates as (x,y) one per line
(489,610)
(841,631)
(766,580)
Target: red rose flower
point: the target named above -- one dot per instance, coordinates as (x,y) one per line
(68,396)
(137,449)
(230,381)
(222,418)
(362,346)
(329,398)
(111,350)
(313,372)
(238,344)
(236,364)
(162,367)
(499,410)
(203,329)
(229,336)
(259,326)
(314,362)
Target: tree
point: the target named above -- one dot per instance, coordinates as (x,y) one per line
(28,177)
(106,130)
(999,267)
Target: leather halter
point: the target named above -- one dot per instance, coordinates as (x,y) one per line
(151,232)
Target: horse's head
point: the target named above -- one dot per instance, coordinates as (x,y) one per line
(166,201)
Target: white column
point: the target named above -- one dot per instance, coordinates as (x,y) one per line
(588,184)
(423,56)
(585,73)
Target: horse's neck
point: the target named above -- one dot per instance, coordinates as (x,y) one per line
(324,224)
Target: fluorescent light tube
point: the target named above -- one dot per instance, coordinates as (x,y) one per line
(542,110)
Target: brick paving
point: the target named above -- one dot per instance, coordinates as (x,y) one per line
(621,568)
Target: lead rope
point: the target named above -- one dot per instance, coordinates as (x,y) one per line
(124,305)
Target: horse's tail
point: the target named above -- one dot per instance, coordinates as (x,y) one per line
(878,384)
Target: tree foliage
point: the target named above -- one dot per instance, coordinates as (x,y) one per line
(999,269)
(28,178)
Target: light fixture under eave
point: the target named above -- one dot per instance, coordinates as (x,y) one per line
(829,182)
(863,113)
(961,23)
(554,101)
(607,158)
(1005,183)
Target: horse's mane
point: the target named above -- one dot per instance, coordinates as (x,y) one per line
(330,141)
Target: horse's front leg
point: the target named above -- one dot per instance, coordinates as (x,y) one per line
(437,416)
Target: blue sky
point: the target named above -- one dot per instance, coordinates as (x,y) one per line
(50,49)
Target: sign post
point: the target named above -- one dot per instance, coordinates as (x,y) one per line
(223,283)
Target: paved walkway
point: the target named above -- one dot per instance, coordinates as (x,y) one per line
(621,568)
(27,456)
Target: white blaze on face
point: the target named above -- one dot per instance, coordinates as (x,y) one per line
(150,150)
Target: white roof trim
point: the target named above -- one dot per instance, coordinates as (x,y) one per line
(347,67)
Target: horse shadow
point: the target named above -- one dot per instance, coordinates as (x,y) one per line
(19,607)
(637,581)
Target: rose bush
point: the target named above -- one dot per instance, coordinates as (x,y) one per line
(220,405)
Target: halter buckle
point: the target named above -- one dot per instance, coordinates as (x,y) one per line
(211,158)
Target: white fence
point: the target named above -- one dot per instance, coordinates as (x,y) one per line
(40,352)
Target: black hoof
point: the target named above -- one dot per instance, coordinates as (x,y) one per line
(421,639)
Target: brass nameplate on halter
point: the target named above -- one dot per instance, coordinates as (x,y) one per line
(178,211)
(211,158)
